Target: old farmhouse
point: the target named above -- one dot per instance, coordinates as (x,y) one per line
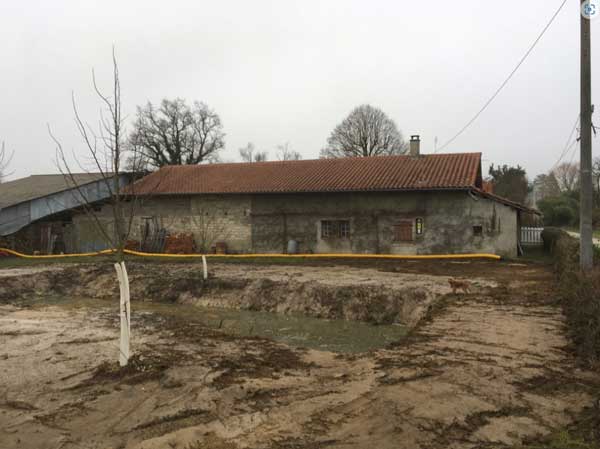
(413,204)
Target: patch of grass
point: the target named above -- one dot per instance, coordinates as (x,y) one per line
(211,441)
(18,262)
(560,440)
(535,254)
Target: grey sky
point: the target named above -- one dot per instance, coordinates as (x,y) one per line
(280,71)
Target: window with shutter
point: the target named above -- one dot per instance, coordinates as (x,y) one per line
(403,231)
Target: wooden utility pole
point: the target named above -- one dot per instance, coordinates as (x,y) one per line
(585,217)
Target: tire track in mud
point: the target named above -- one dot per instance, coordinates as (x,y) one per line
(466,386)
(483,370)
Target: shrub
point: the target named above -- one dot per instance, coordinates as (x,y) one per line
(580,292)
(581,302)
(563,216)
(559,211)
(550,237)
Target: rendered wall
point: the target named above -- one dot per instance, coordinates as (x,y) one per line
(265,223)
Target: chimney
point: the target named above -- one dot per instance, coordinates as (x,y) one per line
(415,145)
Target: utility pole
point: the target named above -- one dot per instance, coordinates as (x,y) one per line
(585,218)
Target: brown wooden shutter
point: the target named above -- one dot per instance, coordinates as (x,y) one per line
(403,231)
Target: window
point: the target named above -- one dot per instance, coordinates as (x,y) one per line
(335,229)
(344,229)
(326,229)
(478,231)
(403,231)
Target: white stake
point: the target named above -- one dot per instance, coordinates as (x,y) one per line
(124,313)
(127,305)
(204,267)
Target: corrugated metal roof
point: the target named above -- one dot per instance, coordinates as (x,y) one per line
(38,186)
(427,172)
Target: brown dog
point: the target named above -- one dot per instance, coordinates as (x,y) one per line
(456,284)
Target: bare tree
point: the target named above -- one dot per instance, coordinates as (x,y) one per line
(5,159)
(176,134)
(285,153)
(209,228)
(367,131)
(249,154)
(567,175)
(107,154)
(546,186)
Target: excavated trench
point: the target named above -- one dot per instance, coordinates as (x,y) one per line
(340,309)
(375,298)
(492,369)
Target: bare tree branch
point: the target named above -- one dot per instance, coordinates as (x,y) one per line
(177,134)
(567,175)
(107,153)
(5,160)
(367,131)
(249,154)
(285,153)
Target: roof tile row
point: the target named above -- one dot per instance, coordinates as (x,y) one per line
(427,172)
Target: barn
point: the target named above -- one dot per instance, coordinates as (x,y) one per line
(410,204)
(36,212)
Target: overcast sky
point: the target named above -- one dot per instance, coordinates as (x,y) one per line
(289,71)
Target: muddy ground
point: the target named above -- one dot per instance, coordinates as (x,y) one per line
(486,369)
(370,294)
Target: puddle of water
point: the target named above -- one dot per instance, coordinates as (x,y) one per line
(295,330)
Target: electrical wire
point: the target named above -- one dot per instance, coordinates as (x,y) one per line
(567,147)
(574,151)
(505,82)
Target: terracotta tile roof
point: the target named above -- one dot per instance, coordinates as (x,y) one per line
(427,172)
(510,203)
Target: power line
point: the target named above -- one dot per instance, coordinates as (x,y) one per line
(574,151)
(568,146)
(505,82)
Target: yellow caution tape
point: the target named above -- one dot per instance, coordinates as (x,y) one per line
(251,256)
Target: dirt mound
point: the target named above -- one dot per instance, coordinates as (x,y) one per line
(379,298)
(374,304)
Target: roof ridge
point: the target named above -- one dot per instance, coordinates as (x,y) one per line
(382,173)
(292,161)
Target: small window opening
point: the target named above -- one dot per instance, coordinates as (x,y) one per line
(335,229)
(478,231)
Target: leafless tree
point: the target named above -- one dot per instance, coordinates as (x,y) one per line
(285,153)
(208,228)
(547,186)
(107,154)
(367,131)
(567,175)
(5,159)
(176,134)
(249,154)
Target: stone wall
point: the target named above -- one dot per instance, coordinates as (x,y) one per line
(449,220)
(452,222)
(209,218)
